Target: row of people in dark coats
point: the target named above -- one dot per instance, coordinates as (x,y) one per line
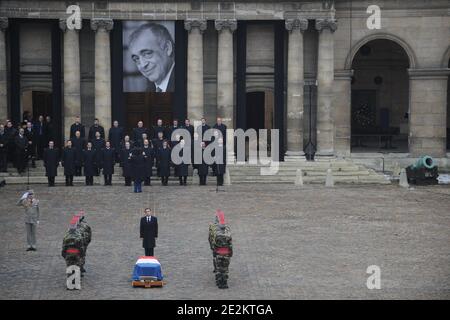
(137,163)
(13,147)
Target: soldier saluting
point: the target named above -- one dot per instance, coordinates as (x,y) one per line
(31,206)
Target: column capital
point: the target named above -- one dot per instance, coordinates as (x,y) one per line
(191,24)
(101,23)
(296,24)
(63,25)
(223,24)
(330,24)
(3,23)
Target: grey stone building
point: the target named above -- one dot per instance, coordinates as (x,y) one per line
(316,70)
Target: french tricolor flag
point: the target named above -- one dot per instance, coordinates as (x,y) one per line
(147,266)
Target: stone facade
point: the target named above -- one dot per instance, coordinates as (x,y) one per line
(322,40)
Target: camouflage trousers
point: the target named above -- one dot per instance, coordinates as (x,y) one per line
(72,259)
(221,264)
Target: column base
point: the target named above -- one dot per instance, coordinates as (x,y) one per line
(324,156)
(294,156)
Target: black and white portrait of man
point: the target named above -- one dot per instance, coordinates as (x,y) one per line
(149,56)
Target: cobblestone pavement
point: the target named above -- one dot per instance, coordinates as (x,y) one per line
(289,243)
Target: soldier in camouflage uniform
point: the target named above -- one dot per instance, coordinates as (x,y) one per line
(73,246)
(222,248)
(86,233)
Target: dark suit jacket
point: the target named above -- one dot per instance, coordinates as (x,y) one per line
(149,231)
(170,85)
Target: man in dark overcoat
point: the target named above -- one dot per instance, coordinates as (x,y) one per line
(68,162)
(89,164)
(107,163)
(125,157)
(51,163)
(163,156)
(148,232)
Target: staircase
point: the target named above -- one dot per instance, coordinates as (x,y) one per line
(314,172)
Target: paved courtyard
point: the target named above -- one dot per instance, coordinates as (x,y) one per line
(289,243)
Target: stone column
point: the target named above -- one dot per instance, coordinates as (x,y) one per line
(325,78)
(195,27)
(71,61)
(102,71)
(3,72)
(342,111)
(295,82)
(428,112)
(225,78)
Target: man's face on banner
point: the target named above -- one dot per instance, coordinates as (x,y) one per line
(152,55)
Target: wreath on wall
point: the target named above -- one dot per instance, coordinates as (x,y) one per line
(364,117)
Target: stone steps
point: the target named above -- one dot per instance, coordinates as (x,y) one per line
(344,172)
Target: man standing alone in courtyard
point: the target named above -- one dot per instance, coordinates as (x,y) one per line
(31,206)
(149,231)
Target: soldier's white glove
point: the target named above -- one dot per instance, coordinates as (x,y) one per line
(37,222)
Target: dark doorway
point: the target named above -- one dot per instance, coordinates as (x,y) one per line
(148,107)
(42,104)
(255,110)
(380,98)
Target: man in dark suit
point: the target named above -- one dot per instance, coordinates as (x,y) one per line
(77,126)
(31,150)
(68,160)
(137,133)
(149,231)
(159,128)
(115,136)
(94,129)
(223,129)
(39,126)
(107,163)
(51,163)
(21,143)
(153,50)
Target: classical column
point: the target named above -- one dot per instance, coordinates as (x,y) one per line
(71,61)
(295,79)
(3,73)
(102,70)
(325,78)
(225,77)
(342,111)
(195,28)
(428,112)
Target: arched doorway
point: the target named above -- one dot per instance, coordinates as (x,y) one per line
(380,97)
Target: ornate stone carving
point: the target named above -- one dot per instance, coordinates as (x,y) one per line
(3,23)
(195,23)
(222,24)
(294,24)
(100,23)
(330,24)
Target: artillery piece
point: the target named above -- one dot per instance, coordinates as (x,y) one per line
(423,172)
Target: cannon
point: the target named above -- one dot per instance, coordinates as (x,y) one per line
(423,172)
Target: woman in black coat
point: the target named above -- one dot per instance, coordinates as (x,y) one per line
(68,162)
(164,163)
(90,166)
(138,168)
(181,170)
(125,157)
(107,164)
